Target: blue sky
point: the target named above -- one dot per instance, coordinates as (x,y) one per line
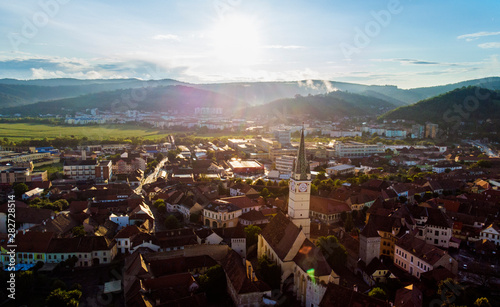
(408,43)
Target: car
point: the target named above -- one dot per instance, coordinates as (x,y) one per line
(464,266)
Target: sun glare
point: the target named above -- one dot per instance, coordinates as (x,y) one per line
(236,40)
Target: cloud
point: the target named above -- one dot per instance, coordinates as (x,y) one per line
(284,47)
(58,67)
(161,37)
(489,45)
(474,36)
(40,73)
(411,62)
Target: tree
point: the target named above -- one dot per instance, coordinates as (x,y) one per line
(172,155)
(283,183)
(63,298)
(213,283)
(248,181)
(162,208)
(321,176)
(378,293)
(270,272)
(448,290)
(158,202)
(348,224)
(484,163)
(334,252)
(20,189)
(265,192)
(61,204)
(171,222)
(260,182)
(482,302)
(343,216)
(194,217)
(78,231)
(252,233)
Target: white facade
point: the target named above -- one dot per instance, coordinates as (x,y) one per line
(121,220)
(491,233)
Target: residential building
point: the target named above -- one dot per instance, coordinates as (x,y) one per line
(220,213)
(284,164)
(80,169)
(491,233)
(327,210)
(36,192)
(415,256)
(431,130)
(283,137)
(12,174)
(355,149)
(341,170)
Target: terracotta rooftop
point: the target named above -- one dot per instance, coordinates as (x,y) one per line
(280,234)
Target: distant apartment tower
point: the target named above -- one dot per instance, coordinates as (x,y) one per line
(283,137)
(356,149)
(284,164)
(80,169)
(431,130)
(417,131)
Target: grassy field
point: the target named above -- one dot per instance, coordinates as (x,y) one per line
(50,168)
(26,131)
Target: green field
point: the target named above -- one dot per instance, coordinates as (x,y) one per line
(26,131)
(35,131)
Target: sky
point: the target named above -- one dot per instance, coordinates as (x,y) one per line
(408,43)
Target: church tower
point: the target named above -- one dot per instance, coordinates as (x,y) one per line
(300,191)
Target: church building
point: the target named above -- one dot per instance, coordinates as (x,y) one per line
(285,240)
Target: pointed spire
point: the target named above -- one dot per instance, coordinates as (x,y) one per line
(302,170)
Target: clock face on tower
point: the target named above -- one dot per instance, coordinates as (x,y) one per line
(303,187)
(292,186)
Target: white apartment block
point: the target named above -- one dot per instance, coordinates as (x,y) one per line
(355,149)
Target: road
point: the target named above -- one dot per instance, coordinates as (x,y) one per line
(152,177)
(485,149)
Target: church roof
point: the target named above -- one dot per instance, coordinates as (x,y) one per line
(281,234)
(310,257)
(302,169)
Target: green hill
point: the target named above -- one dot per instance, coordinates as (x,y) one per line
(334,105)
(176,99)
(466,104)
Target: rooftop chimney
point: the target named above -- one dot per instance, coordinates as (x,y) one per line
(84,155)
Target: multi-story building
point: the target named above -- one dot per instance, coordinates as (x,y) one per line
(417,131)
(433,225)
(284,164)
(341,170)
(11,174)
(266,144)
(355,149)
(80,169)
(415,256)
(491,233)
(431,130)
(283,137)
(221,213)
(104,171)
(128,165)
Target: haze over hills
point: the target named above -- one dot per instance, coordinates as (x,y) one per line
(465,104)
(53,95)
(177,99)
(333,105)
(21,92)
